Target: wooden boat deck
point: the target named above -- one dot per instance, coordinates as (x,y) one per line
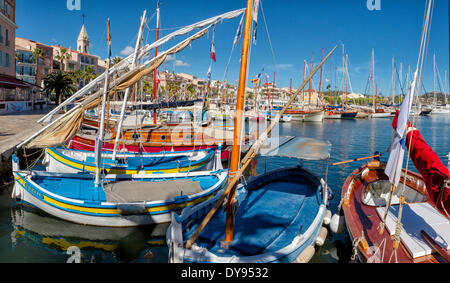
(364,220)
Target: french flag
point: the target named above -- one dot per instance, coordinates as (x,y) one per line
(213,52)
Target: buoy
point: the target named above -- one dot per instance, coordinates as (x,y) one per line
(327,218)
(306,255)
(337,224)
(322,236)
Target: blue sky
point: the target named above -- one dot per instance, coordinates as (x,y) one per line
(297,28)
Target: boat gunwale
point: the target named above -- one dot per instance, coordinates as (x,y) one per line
(353,217)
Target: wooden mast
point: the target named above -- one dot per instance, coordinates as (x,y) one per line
(310,82)
(343,70)
(331,80)
(304,78)
(320,83)
(346,80)
(155,73)
(236,149)
(127,91)
(373,81)
(99,140)
(273,87)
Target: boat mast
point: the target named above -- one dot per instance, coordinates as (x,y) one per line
(310,82)
(346,81)
(155,74)
(304,78)
(331,80)
(273,87)
(373,82)
(343,69)
(320,83)
(236,149)
(393,81)
(434,78)
(401,80)
(99,139)
(446,86)
(127,91)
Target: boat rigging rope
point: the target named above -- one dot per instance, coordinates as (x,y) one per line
(425,39)
(356,242)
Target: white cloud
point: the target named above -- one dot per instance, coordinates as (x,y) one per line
(172,59)
(179,63)
(127,51)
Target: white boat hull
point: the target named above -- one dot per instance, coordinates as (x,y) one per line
(380,115)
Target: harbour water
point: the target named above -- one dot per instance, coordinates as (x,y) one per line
(29,236)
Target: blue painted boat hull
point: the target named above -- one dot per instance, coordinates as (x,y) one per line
(280,214)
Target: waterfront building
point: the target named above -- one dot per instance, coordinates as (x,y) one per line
(15,94)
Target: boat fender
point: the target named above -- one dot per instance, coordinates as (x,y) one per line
(337,224)
(327,218)
(322,237)
(306,255)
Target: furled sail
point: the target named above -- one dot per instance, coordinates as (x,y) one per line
(64,129)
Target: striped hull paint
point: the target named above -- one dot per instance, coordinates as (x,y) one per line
(82,143)
(98,213)
(57,161)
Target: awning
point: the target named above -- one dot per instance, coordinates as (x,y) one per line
(10,82)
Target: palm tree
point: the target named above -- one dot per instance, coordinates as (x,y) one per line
(116,60)
(191,90)
(63,55)
(36,55)
(88,74)
(59,83)
(76,76)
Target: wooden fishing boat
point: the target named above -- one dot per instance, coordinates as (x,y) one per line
(160,140)
(122,200)
(380,113)
(306,115)
(64,160)
(349,114)
(365,194)
(404,219)
(279,219)
(332,115)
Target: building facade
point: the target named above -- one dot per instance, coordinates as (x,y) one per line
(7,34)
(26,67)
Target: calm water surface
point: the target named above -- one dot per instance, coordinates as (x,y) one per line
(31,236)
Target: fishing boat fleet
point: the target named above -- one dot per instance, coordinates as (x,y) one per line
(165,164)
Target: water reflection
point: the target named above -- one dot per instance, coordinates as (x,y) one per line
(96,244)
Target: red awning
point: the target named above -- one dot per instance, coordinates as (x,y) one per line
(10,82)
(431,168)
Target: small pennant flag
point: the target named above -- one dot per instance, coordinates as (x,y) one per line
(255,19)
(213,49)
(209,74)
(239,31)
